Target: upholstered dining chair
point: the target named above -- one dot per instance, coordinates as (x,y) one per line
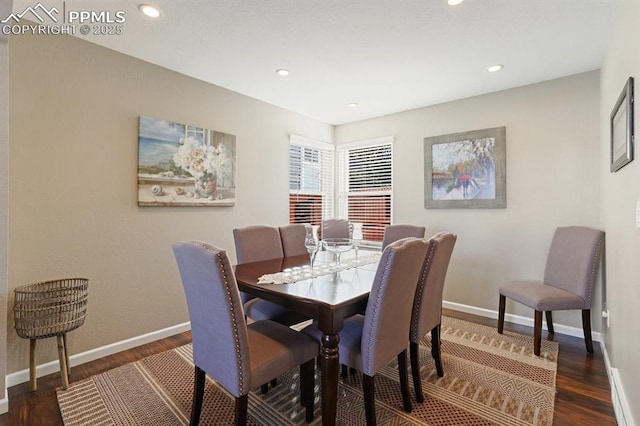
(238,356)
(426,315)
(395,232)
(569,276)
(368,342)
(335,228)
(292,237)
(253,244)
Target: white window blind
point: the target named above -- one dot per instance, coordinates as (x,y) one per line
(366,185)
(311,182)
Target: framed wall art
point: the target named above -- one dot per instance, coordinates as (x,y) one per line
(466,170)
(184,165)
(622,128)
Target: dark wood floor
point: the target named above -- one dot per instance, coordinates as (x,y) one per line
(583,398)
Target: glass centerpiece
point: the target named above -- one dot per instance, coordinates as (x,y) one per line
(337,246)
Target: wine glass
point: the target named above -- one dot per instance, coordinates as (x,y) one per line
(356,235)
(337,246)
(311,241)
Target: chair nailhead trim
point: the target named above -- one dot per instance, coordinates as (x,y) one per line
(594,269)
(234,320)
(376,309)
(420,292)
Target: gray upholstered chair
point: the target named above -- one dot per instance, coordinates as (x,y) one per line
(569,276)
(254,244)
(395,232)
(427,305)
(335,228)
(292,237)
(368,342)
(238,356)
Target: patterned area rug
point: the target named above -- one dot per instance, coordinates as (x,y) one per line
(490,379)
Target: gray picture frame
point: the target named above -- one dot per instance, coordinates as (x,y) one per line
(621,128)
(466,170)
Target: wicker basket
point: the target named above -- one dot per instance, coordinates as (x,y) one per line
(50,308)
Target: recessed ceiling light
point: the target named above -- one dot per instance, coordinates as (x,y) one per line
(282,72)
(454,2)
(495,68)
(353,105)
(150,11)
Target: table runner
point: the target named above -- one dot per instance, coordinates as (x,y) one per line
(300,273)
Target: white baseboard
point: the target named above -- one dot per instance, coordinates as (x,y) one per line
(517,319)
(4,402)
(93,354)
(621,407)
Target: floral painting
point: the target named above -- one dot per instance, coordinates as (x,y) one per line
(466,170)
(184,165)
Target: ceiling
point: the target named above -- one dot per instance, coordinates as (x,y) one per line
(385,55)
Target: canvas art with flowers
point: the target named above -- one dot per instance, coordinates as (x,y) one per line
(184,165)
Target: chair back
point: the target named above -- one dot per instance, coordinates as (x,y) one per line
(396,232)
(292,237)
(388,314)
(427,304)
(218,329)
(572,263)
(335,228)
(256,243)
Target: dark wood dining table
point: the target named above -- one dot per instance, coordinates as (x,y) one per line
(328,299)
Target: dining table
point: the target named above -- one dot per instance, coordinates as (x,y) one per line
(328,294)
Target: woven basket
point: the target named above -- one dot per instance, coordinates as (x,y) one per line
(50,308)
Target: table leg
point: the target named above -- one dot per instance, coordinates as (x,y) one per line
(330,367)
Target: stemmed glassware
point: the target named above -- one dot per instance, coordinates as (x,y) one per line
(337,246)
(356,235)
(311,241)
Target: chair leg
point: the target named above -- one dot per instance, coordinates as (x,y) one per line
(436,351)
(304,375)
(274,383)
(368,388)
(537,332)
(415,370)
(549,322)
(306,388)
(404,381)
(264,388)
(241,405)
(501,307)
(344,371)
(586,326)
(198,394)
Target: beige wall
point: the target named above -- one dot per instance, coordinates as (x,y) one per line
(73,182)
(620,192)
(553,163)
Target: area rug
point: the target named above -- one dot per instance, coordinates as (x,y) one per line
(490,379)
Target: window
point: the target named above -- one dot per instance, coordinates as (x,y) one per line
(366,185)
(310,180)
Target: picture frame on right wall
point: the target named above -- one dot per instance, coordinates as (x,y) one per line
(621,128)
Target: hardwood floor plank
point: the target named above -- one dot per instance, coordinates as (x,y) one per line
(583,392)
